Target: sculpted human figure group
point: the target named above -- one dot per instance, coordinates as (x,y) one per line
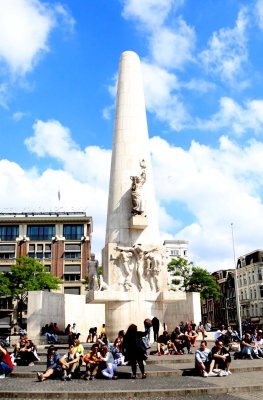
(145,262)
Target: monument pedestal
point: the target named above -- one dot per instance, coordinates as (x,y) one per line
(125,308)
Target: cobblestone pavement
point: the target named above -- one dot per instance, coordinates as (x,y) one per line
(244,396)
(154,387)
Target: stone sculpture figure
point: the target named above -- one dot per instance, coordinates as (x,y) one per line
(153,263)
(139,254)
(124,259)
(103,284)
(93,273)
(137,183)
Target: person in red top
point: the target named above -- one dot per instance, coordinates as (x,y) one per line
(6,365)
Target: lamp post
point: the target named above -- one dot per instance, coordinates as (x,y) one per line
(236,283)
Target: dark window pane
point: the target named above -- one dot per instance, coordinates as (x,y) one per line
(73,232)
(72,255)
(40,232)
(9,232)
(72,290)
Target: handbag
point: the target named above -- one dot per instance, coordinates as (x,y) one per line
(140,345)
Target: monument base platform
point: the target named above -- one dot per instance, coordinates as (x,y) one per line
(125,308)
(104,296)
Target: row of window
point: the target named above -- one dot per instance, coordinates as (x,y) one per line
(41,232)
(252,293)
(251,277)
(41,251)
(254,310)
(72,273)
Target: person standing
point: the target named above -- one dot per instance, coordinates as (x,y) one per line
(156,327)
(133,349)
(147,326)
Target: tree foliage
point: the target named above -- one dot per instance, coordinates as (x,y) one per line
(28,274)
(180,269)
(193,278)
(202,281)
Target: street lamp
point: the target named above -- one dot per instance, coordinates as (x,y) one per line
(236,283)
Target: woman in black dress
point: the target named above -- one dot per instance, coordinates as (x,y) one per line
(134,349)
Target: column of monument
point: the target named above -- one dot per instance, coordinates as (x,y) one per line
(134,261)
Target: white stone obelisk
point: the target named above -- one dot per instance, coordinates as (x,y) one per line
(131,163)
(130,147)
(134,261)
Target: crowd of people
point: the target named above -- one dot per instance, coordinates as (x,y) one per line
(102,359)
(131,347)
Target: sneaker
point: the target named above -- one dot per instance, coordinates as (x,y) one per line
(31,364)
(222,373)
(69,377)
(143,376)
(204,374)
(167,353)
(2,376)
(256,356)
(91,378)
(212,374)
(133,377)
(114,377)
(251,358)
(229,372)
(190,352)
(40,376)
(159,353)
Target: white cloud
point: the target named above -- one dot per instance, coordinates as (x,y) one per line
(259,12)
(52,139)
(227,52)
(237,118)
(217,187)
(160,94)
(3,95)
(25,26)
(38,192)
(172,47)
(151,13)
(18,115)
(82,181)
(170,44)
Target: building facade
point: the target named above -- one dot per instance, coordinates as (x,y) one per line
(176,248)
(61,241)
(250,286)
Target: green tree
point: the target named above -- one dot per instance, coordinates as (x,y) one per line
(180,269)
(193,278)
(203,282)
(27,274)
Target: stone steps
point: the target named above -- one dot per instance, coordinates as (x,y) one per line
(172,387)
(166,377)
(154,368)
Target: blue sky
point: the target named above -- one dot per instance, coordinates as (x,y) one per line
(203,80)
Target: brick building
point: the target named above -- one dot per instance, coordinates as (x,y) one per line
(61,241)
